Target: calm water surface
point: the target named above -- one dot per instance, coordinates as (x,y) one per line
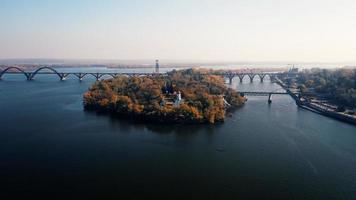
(50,148)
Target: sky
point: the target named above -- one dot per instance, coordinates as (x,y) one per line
(200,30)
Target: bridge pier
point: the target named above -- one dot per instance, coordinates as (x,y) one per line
(63,76)
(97,76)
(252,76)
(230,77)
(262,77)
(29,76)
(241,77)
(270,98)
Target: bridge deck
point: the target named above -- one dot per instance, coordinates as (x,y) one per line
(261,93)
(101,73)
(30,75)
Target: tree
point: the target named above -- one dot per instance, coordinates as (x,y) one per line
(142,97)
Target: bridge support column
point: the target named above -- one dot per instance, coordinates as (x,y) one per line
(262,77)
(241,77)
(270,98)
(230,76)
(230,79)
(80,76)
(30,77)
(252,76)
(63,76)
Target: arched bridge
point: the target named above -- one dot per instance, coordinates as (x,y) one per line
(63,75)
(30,75)
(252,75)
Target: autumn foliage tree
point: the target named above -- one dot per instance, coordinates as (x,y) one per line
(339,84)
(142,97)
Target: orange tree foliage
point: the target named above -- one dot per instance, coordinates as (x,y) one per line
(142,97)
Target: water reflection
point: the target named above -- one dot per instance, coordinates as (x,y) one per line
(184,130)
(277,151)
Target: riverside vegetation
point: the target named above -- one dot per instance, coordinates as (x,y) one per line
(338,85)
(205,97)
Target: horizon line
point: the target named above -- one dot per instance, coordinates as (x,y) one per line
(172,61)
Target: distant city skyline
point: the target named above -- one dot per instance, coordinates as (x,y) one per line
(184,30)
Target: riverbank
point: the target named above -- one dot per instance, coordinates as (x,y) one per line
(317,108)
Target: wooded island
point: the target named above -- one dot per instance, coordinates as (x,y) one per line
(184,96)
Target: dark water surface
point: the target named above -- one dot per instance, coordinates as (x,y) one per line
(50,148)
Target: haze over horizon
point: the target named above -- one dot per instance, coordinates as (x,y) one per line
(210,30)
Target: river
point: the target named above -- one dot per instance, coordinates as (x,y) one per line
(50,147)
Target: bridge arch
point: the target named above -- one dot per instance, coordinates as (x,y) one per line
(97,76)
(17,68)
(108,74)
(82,75)
(271,76)
(49,68)
(79,75)
(66,75)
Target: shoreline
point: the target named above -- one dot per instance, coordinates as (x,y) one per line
(308,106)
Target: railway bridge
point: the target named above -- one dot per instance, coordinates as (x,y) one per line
(63,75)
(30,75)
(251,75)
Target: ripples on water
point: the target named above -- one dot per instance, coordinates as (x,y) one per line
(50,147)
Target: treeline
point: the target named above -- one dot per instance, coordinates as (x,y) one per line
(143,98)
(340,84)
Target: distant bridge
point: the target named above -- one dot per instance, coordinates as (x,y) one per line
(262,93)
(98,75)
(252,75)
(63,75)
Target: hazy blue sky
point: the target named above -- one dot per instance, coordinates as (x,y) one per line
(225,30)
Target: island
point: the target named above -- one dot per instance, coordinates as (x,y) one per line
(183,96)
